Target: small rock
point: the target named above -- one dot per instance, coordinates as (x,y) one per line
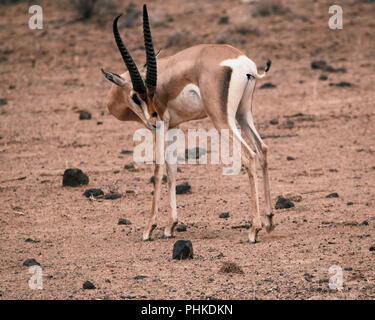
(74,178)
(321,64)
(267,85)
(223,20)
(123,221)
(183,188)
(129,166)
(372,248)
(242,226)
(364,223)
(31,240)
(194,153)
(333,195)
(129,191)
(93,193)
(112,196)
(84,115)
(30,263)
(323,77)
(283,203)
(224,215)
(181,228)
(3,102)
(349,203)
(99,123)
(164,179)
(274,121)
(140,277)
(182,249)
(289,158)
(231,267)
(341,84)
(88,285)
(126,151)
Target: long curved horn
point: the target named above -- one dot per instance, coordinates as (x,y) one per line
(151,74)
(135,76)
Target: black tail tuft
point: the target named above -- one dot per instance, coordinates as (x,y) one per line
(268,65)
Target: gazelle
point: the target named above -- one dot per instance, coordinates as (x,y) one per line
(220,80)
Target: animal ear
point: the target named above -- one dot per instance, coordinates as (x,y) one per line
(114,78)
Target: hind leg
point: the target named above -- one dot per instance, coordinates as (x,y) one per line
(246,123)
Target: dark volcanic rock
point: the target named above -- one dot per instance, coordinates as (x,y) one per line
(267,85)
(74,178)
(283,203)
(321,64)
(224,215)
(242,226)
(194,153)
(129,166)
(31,240)
(140,277)
(323,77)
(341,84)
(3,102)
(88,285)
(181,228)
(124,221)
(183,188)
(93,193)
(126,152)
(112,196)
(274,121)
(289,158)
(31,262)
(182,249)
(333,195)
(84,115)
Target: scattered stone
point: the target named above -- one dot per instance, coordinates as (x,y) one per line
(30,263)
(348,269)
(99,123)
(31,240)
(372,248)
(140,277)
(123,221)
(224,215)
(283,203)
(333,170)
(295,115)
(194,153)
(223,20)
(267,85)
(274,121)
(321,64)
(288,124)
(289,158)
(182,249)
(129,191)
(93,193)
(3,102)
(364,223)
(181,228)
(84,115)
(323,77)
(88,285)
(74,178)
(231,267)
(129,166)
(183,188)
(126,151)
(341,84)
(112,196)
(242,226)
(333,195)
(349,203)
(164,179)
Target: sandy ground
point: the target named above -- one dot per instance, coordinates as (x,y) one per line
(47,76)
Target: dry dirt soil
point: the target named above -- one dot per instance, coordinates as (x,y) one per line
(47,76)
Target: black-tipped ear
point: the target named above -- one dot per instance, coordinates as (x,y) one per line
(114,78)
(268,65)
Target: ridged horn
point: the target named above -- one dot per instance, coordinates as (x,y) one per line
(151,74)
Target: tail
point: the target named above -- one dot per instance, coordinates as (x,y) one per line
(266,68)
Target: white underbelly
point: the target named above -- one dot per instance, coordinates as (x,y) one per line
(187,105)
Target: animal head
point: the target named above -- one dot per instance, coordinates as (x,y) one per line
(130,90)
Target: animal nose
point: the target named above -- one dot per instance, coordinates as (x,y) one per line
(154,114)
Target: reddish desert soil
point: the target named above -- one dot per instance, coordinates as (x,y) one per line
(48,75)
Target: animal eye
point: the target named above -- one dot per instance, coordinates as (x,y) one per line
(136,100)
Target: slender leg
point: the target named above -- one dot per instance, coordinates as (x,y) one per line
(171,172)
(151,225)
(247,126)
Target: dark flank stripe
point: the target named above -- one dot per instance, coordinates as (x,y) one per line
(227,74)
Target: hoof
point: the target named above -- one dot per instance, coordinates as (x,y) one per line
(146,239)
(253,241)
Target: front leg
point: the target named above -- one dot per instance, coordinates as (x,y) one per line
(171,172)
(158,175)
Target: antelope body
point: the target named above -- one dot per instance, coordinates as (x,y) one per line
(215,81)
